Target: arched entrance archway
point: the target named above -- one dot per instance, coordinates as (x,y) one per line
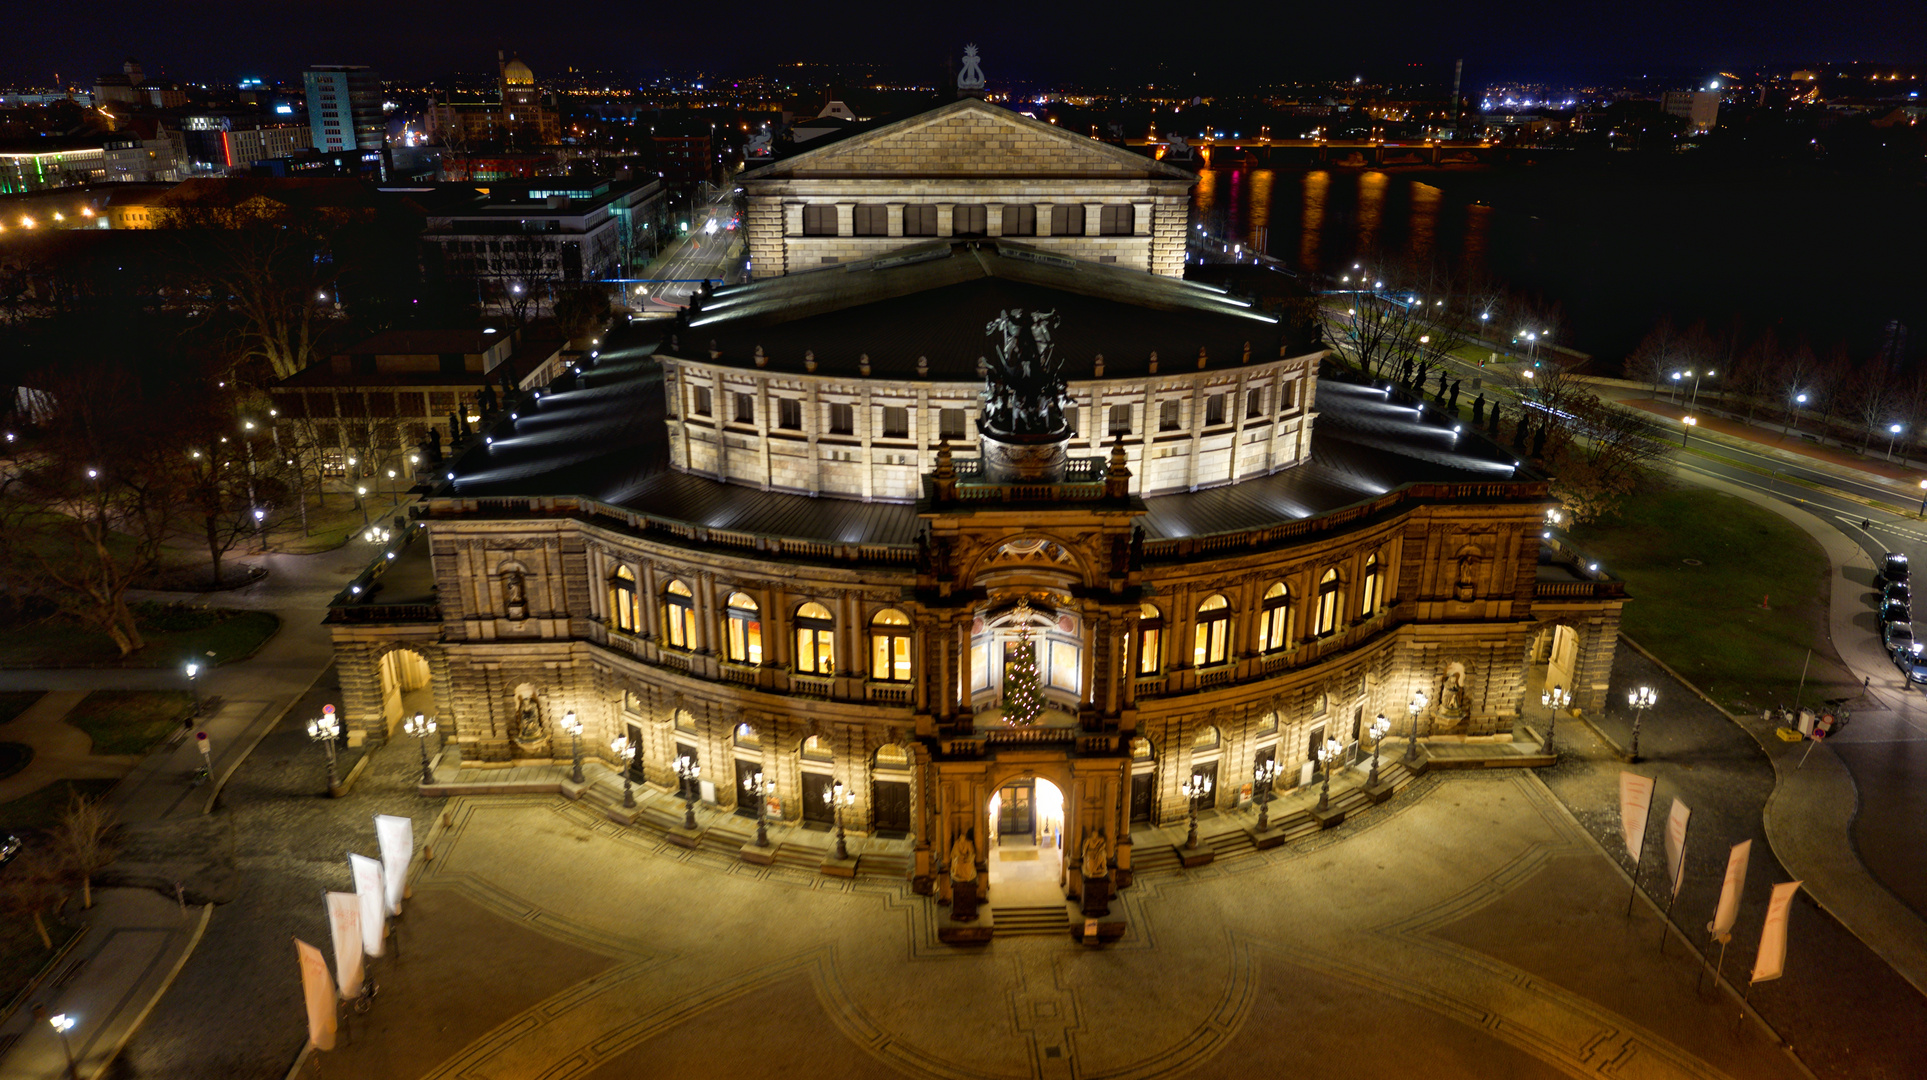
(1026,851)
(407,687)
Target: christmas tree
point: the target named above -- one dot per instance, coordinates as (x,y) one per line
(1023,697)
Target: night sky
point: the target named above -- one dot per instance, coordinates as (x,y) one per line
(208,40)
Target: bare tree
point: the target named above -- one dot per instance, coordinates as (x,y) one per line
(31,887)
(83,842)
(271,279)
(1595,450)
(1876,399)
(1659,354)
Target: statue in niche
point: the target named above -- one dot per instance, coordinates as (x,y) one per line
(1466,585)
(1452,696)
(515,594)
(528,709)
(963,879)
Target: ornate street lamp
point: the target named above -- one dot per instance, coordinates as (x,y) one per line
(1262,777)
(621,746)
(1326,754)
(687,768)
(574,727)
(193,672)
(64,1023)
(1417,706)
(762,790)
(1554,699)
(839,797)
(421,727)
(325,731)
(1194,789)
(1378,729)
(1641,699)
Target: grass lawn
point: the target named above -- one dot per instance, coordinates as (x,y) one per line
(21,954)
(1698,563)
(42,809)
(14,756)
(130,721)
(15,702)
(174,634)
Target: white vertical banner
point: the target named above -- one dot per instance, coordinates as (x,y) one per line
(1729,907)
(344,922)
(397,837)
(374,903)
(319,992)
(1771,963)
(1635,802)
(1676,844)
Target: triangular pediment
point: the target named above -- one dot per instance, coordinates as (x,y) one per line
(969,138)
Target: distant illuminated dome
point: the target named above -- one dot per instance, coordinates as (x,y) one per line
(517,74)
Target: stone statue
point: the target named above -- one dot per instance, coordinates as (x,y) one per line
(1466,585)
(972,75)
(1024,392)
(515,595)
(1452,698)
(487,399)
(963,860)
(1097,855)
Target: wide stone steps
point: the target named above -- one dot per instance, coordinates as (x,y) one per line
(1031,921)
(798,857)
(893,867)
(1154,859)
(1231,845)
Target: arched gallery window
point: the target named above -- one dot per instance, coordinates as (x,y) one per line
(1274,621)
(1328,603)
(622,600)
(1150,645)
(678,615)
(744,641)
(1211,641)
(890,646)
(815,640)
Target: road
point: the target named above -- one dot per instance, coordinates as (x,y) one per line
(702,253)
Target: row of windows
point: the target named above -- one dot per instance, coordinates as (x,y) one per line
(968,219)
(840,418)
(1211,630)
(813,626)
(1118,417)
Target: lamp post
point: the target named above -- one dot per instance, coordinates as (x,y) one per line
(1417,706)
(1923,499)
(63,1023)
(838,797)
(574,727)
(621,746)
(361,492)
(1554,699)
(1677,376)
(1378,729)
(1798,400)
(1641,699)
(1893,433)
(421,727)
(687,768)
(1194,789)
(762,791)
(393,498)
(194,687)
(325,730)
(1326,753)
(1262,777)
(1686,426)
(1694,403)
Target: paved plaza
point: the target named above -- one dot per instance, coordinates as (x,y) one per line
(1473,930)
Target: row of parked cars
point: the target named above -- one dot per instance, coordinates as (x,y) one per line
(1896,622)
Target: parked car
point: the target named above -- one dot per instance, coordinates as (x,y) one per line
(1892,611)
(9,847)
(1913,664)
(1895,591)
(1894,567)
(1899,638)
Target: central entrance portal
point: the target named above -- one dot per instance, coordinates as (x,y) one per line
(1027,843)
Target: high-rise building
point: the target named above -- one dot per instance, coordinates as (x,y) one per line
(344,107)
(1699,108)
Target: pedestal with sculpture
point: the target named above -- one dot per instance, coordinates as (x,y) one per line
(966,923)
(1095,921)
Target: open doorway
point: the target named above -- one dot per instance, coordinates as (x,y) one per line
(406,688)
(1027,842)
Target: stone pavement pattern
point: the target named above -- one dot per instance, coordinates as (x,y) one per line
(1475,925)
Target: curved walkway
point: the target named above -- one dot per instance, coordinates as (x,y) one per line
(60,750)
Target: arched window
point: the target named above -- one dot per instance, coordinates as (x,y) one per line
(678,615)
(622,600)
(815,640)
(1328,603)
(1211,642)
(1274,624)
(890,646)
(745,637)
(1371,587)
(1150,644)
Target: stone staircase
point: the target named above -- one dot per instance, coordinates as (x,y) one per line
(799,857)
(891,866)
(1031,921)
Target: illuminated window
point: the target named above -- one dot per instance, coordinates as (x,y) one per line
(622,600)
(1214,410)
(815,640)
(1328,603)
(1211,640)
(1168,415)
(1370,587)
(745,637)
(678,615)
(1120,420)
(890,646)
(1150,634)
(1274,624)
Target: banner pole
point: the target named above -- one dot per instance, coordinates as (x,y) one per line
(1666,922)
(1700,981)
(1719,971)
(1744,994)
(1636,865)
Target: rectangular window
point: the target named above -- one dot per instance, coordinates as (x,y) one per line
(950,424)
(1117,220)
(1214,410)
(1120,420)
(789,414)
(919,221)
(1288,396)
(1067,221)
(970,221)
(819,221)
(1020,220)
(1254,404)
(842,419)
(745,408)
(700,405)
(896,422)
(870,219)
(1168,415)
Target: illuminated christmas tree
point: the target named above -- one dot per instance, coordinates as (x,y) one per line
(1023,695)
